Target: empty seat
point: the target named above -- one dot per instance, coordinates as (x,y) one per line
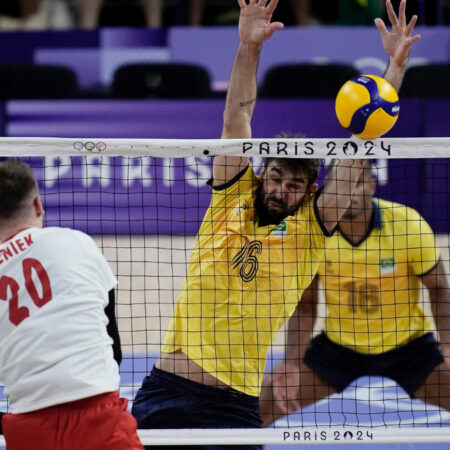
(430,81)
(161,81)
(27,81)
(306,80)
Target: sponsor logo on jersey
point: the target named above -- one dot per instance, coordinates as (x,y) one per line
(280,229)
(387,265)
(240,208)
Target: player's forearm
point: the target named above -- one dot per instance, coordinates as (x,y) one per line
(299,330)
(335,199)
(395,73)
(440,301)
(298,341)
(242,89)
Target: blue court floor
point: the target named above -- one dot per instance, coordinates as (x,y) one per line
(368,402)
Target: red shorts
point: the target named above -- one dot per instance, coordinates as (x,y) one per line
(95,423)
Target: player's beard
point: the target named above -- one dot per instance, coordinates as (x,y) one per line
(266,215)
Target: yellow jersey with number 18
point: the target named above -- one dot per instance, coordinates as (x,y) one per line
(235,296)
(372,288)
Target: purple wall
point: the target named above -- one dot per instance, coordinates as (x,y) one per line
(201,119)
(94,55)
(155,197)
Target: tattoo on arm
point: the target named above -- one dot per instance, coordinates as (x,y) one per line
(248,102)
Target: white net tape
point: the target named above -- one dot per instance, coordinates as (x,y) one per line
(286,436)
(163,148)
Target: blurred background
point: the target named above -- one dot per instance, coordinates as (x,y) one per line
(159,69)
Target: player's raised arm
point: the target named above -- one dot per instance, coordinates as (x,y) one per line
(397,43)
(343,176)
(254,28)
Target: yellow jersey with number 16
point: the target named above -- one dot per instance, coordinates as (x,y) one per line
(242,284)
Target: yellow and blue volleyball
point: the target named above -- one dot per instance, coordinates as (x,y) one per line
(367,106)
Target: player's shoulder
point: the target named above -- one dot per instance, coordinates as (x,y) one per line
(64,236)
(392,211)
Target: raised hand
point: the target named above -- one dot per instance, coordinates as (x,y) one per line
(397,43)
(255,24)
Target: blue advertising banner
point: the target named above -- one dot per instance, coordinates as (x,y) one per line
(103,195)
(115,195)
(145,195)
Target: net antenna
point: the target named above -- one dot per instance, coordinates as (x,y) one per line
(143,201)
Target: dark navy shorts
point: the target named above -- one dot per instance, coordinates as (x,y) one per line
(409,365)
(166,400)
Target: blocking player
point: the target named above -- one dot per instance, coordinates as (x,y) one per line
(372,273)
(56,356)
(260,241)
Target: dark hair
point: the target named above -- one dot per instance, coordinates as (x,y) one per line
(16,184)
(309,166)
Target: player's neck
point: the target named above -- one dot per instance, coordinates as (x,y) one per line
(356,228)
(7,231)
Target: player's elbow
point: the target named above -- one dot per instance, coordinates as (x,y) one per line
(236,129)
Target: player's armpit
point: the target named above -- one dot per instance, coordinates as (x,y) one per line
(226,168)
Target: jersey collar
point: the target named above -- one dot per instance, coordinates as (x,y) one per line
(376,222)
(15,234)
(377,219)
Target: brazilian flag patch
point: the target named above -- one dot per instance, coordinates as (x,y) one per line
(387,265)
(280,229)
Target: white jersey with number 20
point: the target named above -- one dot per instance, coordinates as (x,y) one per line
(54,347)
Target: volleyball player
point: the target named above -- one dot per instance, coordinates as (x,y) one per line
(261,239)
(374,323)
(56,356)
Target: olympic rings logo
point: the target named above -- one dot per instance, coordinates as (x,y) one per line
(89,147)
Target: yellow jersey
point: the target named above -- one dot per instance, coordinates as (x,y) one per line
(235,296)
(372,288)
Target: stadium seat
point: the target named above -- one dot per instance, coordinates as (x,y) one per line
(306,80)
(161,81)
(430,81)
(28,81)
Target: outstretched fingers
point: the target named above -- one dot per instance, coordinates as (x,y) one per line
(242,3)
(274,26)
(411,25)
(413,39)
(391,13)
(272,5)
(379,23)
(402,14)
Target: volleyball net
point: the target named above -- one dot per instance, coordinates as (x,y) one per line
(144,201)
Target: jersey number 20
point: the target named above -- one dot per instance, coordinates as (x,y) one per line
(19,313)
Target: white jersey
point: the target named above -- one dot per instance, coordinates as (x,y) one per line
(54,347)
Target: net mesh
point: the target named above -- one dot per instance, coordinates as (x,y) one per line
(144,213)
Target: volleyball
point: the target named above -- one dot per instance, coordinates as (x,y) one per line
(367,106)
